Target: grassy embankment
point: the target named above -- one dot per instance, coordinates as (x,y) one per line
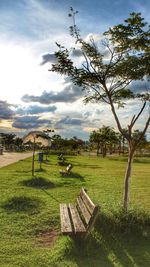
(29,215)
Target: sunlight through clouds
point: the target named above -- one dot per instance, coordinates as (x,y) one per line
(29,30)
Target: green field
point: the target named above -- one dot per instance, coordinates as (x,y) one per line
(29,214)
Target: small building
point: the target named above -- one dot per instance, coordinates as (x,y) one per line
(38,137)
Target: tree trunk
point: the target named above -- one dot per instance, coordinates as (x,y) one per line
(127,179)
(119,148)
(111,149)
(104,150)
(123,145)
(98,148)
(33,156)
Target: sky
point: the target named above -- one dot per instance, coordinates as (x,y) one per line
(33,98)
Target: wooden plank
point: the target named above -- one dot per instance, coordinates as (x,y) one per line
(68,169)
(92,220)
(87,201)
(84,210)
(66,227)
(77,222)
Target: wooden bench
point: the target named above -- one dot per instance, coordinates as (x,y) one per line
(77,219)
(67,171)
(61,160)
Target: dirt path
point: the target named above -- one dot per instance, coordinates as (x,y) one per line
(11,157)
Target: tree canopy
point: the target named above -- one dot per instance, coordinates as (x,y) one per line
(105,74)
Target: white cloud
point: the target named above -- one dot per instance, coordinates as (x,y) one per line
(21,73)
(27,35)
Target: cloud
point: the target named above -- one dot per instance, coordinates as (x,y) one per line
(94,37)
(77,52)
(86,114)
(30,122)
(69,121)
(79,132)
(69,94)
(38,19)
(48,58)
(6,112)
(35,109)
(140,86)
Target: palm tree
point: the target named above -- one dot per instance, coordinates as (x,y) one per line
(95,137)
(104,138)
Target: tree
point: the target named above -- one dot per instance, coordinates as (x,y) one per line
(143,141)
(75,143)
(18,143)
(104,138)
(34,138)
(112,139)
(7,140)
(47,132)
(57,141)
(127,46)
(121,142)
(95,137)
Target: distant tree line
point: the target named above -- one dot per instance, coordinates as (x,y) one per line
(73,143)
(104,141)
(107,140)
(11,141)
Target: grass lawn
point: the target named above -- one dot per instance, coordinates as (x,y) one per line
(29,214)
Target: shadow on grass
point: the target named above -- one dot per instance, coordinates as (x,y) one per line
(120,239)
(40,170)
(38,182)
(22,204)
(122,159)
(47,162)
(92,166)
(50,195)
(43,184)
(124,223)
(74,175)
(146,161)
(25,171)
(135,160)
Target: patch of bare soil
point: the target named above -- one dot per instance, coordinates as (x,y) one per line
(11,157)
(47,239)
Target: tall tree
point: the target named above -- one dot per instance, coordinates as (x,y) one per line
(57,141)
(143,141)
(106,80)
(7,140)
(75,143)
(121,142)
(34,138)
(104,138)
(95,137)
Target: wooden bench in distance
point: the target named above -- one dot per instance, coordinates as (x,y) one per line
(77,219)
(67,171)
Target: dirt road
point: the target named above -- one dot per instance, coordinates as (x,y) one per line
(11,157)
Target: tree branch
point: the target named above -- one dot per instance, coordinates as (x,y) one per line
(115,115)
(143,133)
(135,118)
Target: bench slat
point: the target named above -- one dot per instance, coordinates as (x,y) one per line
(66,227)
(83,209)
(77,222)
(87,201)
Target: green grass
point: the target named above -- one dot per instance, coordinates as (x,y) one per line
(30,223)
